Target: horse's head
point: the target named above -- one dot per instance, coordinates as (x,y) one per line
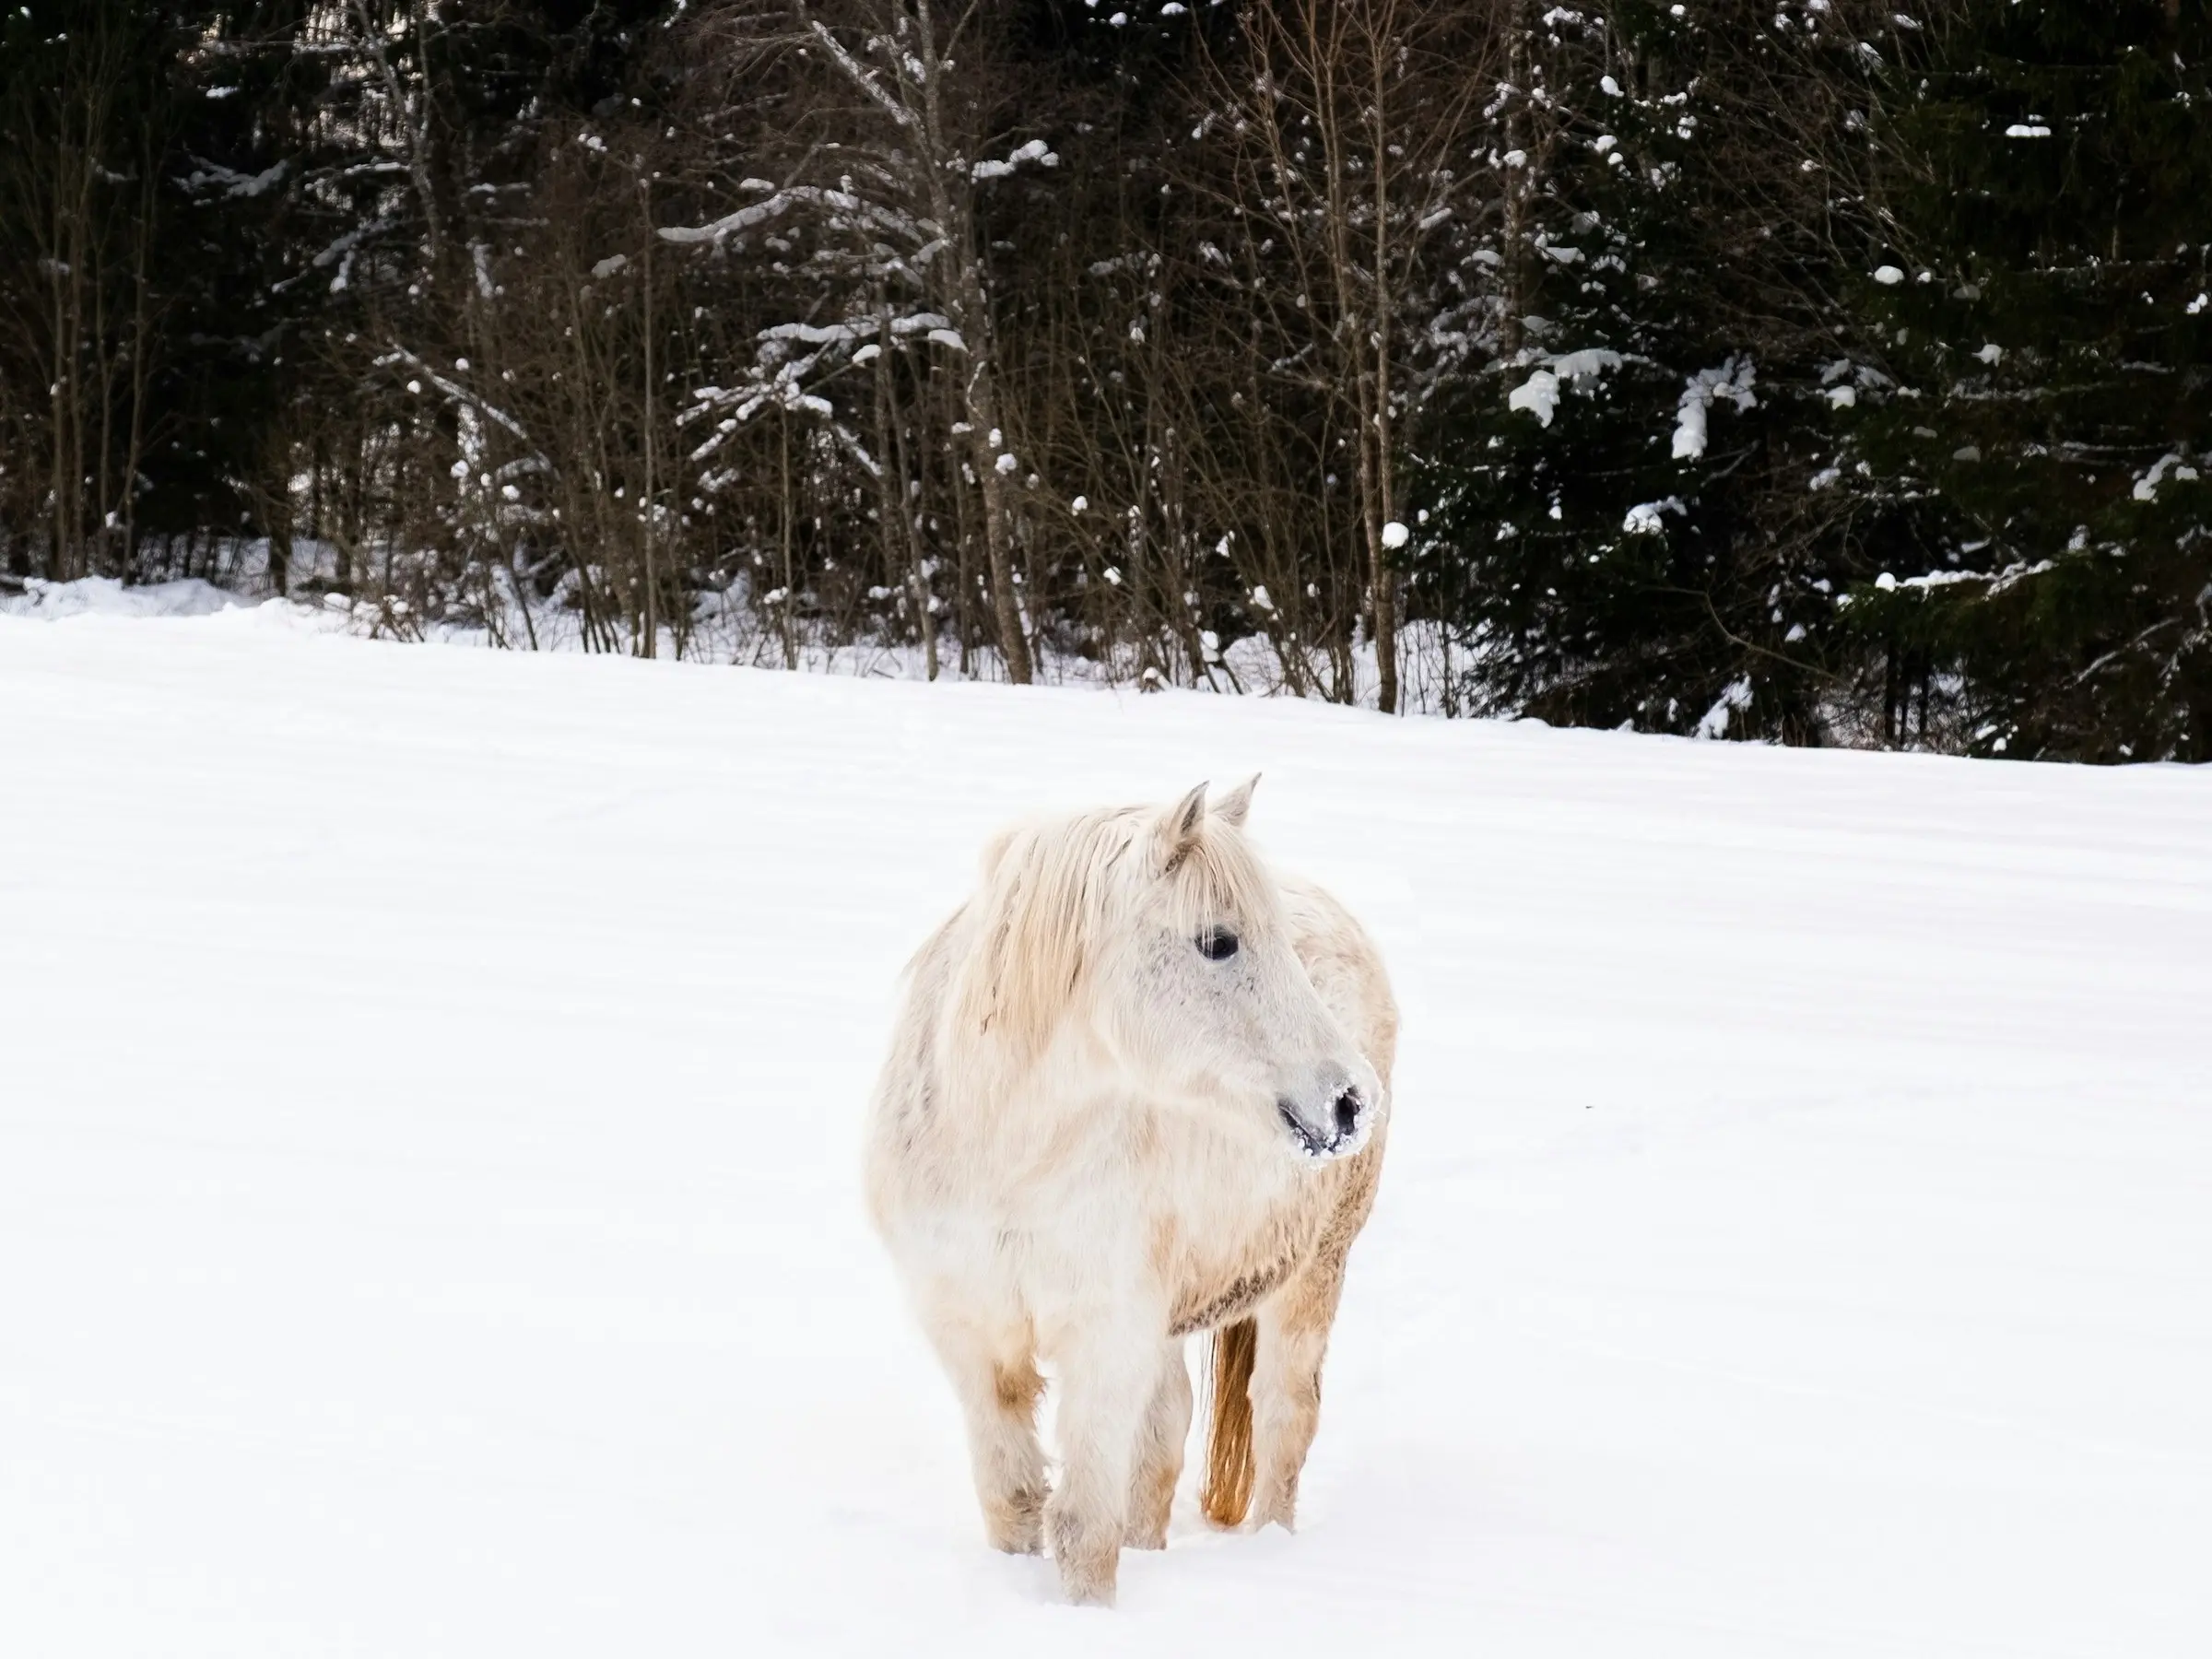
(1164,935)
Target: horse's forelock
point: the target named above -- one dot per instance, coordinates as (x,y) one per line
(1221,879)
(1051,892)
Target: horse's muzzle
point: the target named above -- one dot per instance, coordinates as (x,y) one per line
(1344,1129)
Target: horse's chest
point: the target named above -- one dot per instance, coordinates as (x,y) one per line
(1225,1266)
(1209,1303)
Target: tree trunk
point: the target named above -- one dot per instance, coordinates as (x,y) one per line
(952,202)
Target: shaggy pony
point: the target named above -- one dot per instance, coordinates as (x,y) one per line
(1138,1090)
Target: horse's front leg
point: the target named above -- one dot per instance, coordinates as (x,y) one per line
(993,1372)
(1158,1461)
(1110,1376)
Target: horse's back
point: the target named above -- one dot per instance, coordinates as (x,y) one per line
(909,1091)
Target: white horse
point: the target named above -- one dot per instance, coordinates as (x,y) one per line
(1138,1089)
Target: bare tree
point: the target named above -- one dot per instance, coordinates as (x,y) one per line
(78,186)
(908,93)
(1351,121)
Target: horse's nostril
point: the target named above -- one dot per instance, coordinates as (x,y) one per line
(1347,1113)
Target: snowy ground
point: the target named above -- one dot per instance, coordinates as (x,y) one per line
(726,631)
(429,1084)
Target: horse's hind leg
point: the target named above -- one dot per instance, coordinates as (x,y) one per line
(996,1377)
(1158,1463)
(1286,1385)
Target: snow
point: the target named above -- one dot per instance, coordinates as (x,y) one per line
(1036,150)
(1539,394)
(234,183)
(427,1210)
(2010,576)
(1732,380)
(103,596)
(1587,363)
(1645,518)
(2146,486)
(1713,723)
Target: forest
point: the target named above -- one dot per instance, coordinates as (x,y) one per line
(1819,371)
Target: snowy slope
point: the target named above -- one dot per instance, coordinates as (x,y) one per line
(104,596)
(428,1096)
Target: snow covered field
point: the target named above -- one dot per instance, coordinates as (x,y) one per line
(430,1088)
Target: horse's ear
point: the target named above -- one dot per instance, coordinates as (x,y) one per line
(994,852)
(1235,807)
(1179,827)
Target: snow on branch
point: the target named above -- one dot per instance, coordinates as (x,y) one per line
(861,77)
(781,390)
(743,219)
(1732,380)
(341,251)
(1644,518)
(1998,581)
(845,210)
(233,184)
(1034,151)
(855,328)
(2172,461)
(1539,394)
(854,447)
(467,399)
(778,377)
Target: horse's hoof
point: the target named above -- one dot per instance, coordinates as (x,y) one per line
(1089,1563)
(1087,1591)
(1015,1525)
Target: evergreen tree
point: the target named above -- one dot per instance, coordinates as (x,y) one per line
(1622,534)
(2028,443)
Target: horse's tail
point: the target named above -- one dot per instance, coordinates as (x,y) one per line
(1227,1493)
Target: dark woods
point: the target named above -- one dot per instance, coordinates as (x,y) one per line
(1822,371)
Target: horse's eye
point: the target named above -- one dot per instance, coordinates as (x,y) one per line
(1218,944)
